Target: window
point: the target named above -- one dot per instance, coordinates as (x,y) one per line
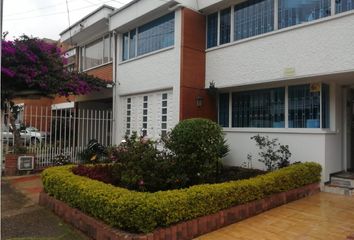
(253,18)
(224,110)
(293,12)
(93,54)
(96,53)
(259,109)
(132,46)
(225,26)
(145,115)
(164,114)
(325,106)
(129,100)
(305,106)
(344,5)
(212,30)
(155,35)
(70,57)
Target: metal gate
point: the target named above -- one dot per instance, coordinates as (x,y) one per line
(51,133)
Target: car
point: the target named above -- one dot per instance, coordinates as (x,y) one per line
(29,135)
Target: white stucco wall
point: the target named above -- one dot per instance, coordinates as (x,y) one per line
(304,147)
(149,74)
(321,47)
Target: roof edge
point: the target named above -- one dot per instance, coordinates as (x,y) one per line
(87,16)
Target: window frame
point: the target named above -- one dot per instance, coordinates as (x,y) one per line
(326,123)
(136,41)
(82,50)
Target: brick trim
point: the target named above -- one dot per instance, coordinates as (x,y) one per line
(98,230)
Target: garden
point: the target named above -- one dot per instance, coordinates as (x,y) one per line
(140,186)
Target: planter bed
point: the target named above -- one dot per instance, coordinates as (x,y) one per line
(175,214)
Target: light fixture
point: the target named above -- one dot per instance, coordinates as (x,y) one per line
(199,101)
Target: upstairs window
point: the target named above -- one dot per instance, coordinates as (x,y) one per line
(155,35)
(96,53)
(212,30)
(344,5)
(253,18)
(293,12)
(225,26)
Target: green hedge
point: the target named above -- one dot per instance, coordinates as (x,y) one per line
(143,212)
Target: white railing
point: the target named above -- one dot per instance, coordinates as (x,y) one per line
(51,133)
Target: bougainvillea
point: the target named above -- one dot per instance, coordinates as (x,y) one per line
(31,64)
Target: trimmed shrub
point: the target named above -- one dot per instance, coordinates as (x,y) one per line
(198,145)
(143,212)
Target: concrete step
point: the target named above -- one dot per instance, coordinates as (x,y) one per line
(338,190)
(342,182)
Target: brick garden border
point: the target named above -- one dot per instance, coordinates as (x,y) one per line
(98,230)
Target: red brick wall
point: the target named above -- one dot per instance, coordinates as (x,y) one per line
(193,68)
(104,72)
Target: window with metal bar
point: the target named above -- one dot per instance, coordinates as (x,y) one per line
(253,18)
(293,12)
(224,109)
(344,5)
(225,25)
(212,30)
(155,35)
(259,108)
(304,106)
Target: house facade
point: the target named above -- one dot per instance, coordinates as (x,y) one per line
(279,68)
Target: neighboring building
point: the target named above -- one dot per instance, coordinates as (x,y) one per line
(282,68)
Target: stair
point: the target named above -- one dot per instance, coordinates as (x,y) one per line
(341,183)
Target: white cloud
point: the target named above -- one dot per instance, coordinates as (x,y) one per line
(47,18)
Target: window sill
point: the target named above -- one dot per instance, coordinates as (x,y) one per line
(281,130)
(278,31)
(146,55)
(101,65)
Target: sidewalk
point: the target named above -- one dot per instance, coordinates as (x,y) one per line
(21,216)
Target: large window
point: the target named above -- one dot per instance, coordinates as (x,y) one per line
(259,109)
(308,107)
(253,18)
(293,12)
(344,5)
(96,53)
(150,37)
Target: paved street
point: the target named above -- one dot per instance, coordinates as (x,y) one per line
(22,218)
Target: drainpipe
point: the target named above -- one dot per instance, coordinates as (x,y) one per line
(115,86)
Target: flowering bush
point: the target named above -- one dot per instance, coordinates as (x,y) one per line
(103,173)
(33,64)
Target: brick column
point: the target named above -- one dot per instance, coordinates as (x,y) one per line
(11,164)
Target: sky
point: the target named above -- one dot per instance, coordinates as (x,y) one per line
(47,18)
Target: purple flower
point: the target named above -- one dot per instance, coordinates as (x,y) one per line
(8,72)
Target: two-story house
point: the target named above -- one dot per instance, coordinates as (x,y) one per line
(282,68)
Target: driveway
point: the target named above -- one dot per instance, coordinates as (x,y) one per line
(322,216)
(22,218)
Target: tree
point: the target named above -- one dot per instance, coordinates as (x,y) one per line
(31,66)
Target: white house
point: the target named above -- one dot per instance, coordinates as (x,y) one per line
(282,68)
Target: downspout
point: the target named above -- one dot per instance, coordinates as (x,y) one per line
(115,86)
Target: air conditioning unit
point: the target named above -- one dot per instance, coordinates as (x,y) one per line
(25,163)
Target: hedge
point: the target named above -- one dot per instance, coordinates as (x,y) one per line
(141,212)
